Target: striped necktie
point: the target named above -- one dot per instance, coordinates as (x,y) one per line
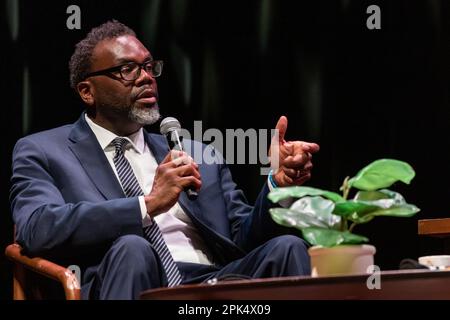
(152,233)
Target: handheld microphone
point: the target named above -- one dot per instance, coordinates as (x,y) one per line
(170,128)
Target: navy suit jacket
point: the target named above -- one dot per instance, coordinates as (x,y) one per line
(68,204)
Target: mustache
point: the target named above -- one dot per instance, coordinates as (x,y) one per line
(149,89)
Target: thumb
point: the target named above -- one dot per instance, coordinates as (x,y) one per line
(282,128)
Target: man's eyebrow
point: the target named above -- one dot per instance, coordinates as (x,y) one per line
(127,60)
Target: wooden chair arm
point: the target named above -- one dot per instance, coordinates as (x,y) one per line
(48,269)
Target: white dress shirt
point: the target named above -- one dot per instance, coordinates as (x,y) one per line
(180,235)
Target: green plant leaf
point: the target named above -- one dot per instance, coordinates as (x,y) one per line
(279,194)
(319,208)
(369,201)
(382,203)
(371,195)
(290,218)
(402,211)
(347,208)
(307,212)
(382,174)
(330,238)
(382,198)
(323,216)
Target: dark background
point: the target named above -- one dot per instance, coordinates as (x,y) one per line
(361,94)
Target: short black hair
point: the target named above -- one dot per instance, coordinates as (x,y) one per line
(80,62)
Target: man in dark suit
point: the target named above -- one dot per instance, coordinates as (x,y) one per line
(107,196)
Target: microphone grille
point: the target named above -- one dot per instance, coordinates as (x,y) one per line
(169,124)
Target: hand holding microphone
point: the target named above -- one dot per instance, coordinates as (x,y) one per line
(170,128)
(175,174)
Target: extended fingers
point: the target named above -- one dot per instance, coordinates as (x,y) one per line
(309,147)
(297,160)
(302,146)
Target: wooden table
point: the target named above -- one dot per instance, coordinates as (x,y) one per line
(403,284)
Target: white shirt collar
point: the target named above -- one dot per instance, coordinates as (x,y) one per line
(104,136)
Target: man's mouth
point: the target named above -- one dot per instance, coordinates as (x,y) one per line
(147,97)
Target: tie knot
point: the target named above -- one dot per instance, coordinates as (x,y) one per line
(120,143)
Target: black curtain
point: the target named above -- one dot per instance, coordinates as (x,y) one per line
(361,94)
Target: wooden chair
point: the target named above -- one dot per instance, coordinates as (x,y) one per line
(31,277)
(436,228)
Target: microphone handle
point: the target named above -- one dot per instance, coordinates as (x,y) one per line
(191,193)
(175,143)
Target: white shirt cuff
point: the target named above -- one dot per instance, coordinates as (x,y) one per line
(286,203)
(271,187)
(146,220)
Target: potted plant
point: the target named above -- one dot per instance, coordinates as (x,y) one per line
(327,219)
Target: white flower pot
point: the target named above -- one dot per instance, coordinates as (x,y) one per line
(340,260)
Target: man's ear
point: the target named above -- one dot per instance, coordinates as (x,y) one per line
(85,90)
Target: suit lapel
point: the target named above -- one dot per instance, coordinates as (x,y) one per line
(158,146)
(92,158)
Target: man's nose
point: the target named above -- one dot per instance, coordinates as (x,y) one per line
(145,77)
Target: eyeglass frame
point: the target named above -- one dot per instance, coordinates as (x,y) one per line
(109,71)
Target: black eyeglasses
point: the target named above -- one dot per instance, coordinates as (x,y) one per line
(131,71)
